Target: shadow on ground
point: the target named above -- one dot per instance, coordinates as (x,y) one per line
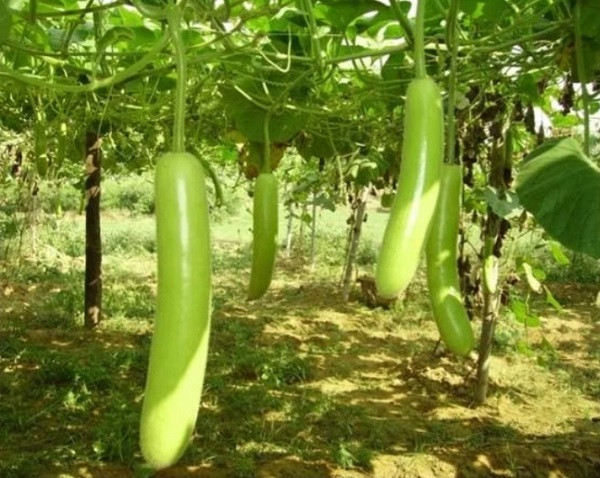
(300,384)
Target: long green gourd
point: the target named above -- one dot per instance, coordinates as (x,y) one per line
(418,183)
(179,347)
(265,221)
(442,274)
(264,230)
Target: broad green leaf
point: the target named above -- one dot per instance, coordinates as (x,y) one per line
(527,86)
(396,68)
(521,313)
(341,13)
(82,35)
(192,38)
(113,36)
(316,146)
(373,24)
(126,18)
(392,31)
(55,38)
(284,40)
(229,152)
(144,37)
(523,348)
(539,274)
(165,82)
(249,117)
(561,121)
(558,253)
(550,299)
(506,208)
(54,5)
(363,171)
(485,9)
(590,19)
(560,186)
(259,25)
(325,202)
(518,308)
(533,320)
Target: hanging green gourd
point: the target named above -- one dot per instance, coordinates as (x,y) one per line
(181,330)
(442,273)
(443,281)
(418,183)
(264,225)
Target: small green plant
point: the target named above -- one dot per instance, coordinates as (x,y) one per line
(77,400)
(130,237)
(129,299)
(10,225)
(55,369)
(367,253)
(133,193)
(243,465)
(116,437)
(61,309)
(352,455)
(67,236)
(284,368)
(277,366)
(12,420)
(22,466)
(57,197)
(547,355)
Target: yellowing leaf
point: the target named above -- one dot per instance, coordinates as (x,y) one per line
(534,284)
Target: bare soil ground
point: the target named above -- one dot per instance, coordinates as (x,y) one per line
(302,385)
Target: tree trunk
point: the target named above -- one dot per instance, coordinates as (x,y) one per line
(488,327)
(495,229)
(490,311)
(93,241)
(359,206)
(313,235)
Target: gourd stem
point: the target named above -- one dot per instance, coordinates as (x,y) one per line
(452,40)
(420,71)
(314,35)
(266,163)
(174,18)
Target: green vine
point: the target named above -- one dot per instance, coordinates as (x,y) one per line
(174,19)
(451,38)
(41,82)
(266,162)
(420,70)
(79,11)
(314,38)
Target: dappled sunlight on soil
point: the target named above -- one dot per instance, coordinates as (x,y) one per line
(300,384)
